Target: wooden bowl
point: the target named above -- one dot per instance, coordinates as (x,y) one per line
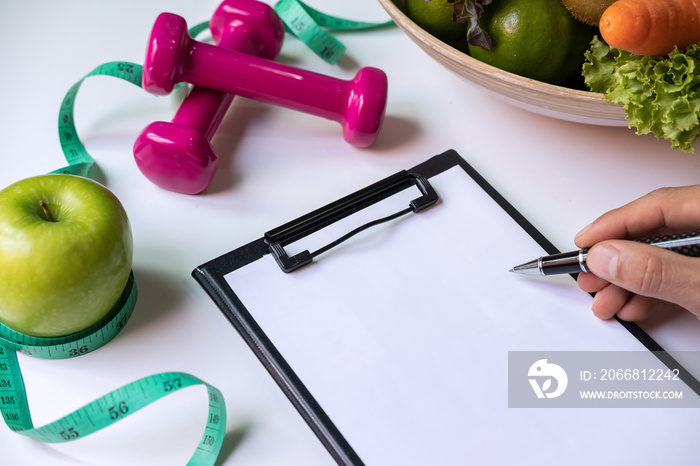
(546,99)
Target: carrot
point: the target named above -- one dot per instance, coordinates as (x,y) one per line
(651,27)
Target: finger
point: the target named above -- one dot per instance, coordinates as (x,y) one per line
(638,308)
(663,211)
(648,271)
(589,283)
(609,301)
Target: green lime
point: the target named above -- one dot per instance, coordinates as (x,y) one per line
(435,16)
(538,39)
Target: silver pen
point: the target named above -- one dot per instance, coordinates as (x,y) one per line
(687,244)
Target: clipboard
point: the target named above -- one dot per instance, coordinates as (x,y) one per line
(381,336)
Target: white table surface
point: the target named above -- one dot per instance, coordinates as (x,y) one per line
(275,164)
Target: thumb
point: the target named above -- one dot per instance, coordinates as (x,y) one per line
(648,271)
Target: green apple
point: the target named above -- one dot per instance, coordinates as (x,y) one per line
(65,253)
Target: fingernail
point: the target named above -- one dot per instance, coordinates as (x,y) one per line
(602,261)
(583,230)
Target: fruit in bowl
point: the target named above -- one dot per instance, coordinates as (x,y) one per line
(611,84)
(538,39)
(588,11)
(555,101)
(438,18)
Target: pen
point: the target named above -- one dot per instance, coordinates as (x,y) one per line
(687,244)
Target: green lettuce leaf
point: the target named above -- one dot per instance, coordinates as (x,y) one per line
(661,95)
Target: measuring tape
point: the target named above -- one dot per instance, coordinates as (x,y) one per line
(125,400)
(79,161)
(305,23)
(111,407)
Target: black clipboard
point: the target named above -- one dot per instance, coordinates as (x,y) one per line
(211,277)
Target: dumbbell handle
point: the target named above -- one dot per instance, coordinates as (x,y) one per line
(202,101)
(267,81)
(204,108)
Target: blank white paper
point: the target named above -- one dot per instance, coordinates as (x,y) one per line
(402,336)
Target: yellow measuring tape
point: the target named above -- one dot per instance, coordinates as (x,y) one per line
(303,22)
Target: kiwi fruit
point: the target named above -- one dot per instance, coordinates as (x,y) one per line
(587,11)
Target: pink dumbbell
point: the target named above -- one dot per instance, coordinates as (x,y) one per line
(178,155)
(173,56)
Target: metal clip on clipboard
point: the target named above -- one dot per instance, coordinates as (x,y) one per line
(290,232)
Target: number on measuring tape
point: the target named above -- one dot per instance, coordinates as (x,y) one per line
(305,23)
(118,410)
(301,25)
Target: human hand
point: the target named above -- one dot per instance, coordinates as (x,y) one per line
(634,280)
